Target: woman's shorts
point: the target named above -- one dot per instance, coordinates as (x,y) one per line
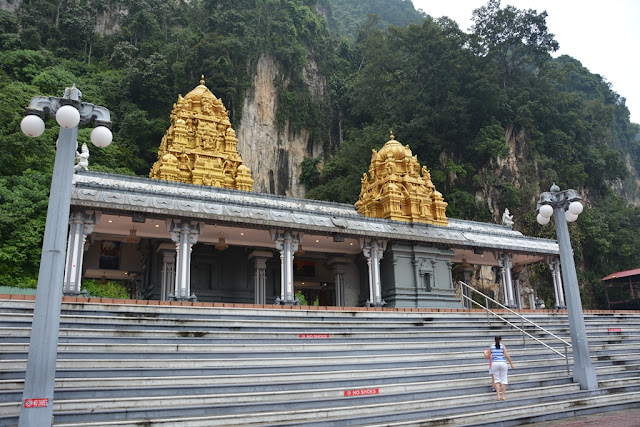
(500,372)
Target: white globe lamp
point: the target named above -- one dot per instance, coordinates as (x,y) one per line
(101,136)
(32,125)
(543,220)
(575,208)
(570,217)
(546,211)
(67,117)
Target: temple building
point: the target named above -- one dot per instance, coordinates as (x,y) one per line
(195,230)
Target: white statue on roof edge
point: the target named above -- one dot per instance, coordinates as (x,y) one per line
(83,159)
(507,218)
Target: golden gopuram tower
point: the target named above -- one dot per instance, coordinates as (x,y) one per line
(396,188)
(200,147)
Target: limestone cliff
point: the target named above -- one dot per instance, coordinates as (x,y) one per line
(274,154)
(9,5)
(507,172)
(518,169)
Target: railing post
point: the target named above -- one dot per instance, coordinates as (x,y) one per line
(566,358)
(486,306)
(524,340)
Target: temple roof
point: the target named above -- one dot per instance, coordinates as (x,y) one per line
(122,194)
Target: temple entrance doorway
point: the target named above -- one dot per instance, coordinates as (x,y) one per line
(314,281)
(316,293)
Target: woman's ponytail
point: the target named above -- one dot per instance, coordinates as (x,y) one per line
(498,339)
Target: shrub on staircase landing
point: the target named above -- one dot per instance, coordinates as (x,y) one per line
(110,289)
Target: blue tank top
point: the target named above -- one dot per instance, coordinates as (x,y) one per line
(497,354)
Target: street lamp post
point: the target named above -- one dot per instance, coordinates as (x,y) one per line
(69,111)
(565,207)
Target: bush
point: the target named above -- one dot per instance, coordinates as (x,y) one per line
(107,290)
(300,297)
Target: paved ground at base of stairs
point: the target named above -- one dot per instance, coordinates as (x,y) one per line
(626,418)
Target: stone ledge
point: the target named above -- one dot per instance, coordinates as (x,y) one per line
(94,300)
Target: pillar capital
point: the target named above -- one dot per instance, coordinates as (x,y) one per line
(338,262)
(553,262)
(282,237)
(261,254)
(369,244)
(177,227)
(504,259)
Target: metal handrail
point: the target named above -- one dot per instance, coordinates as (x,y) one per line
(522,318)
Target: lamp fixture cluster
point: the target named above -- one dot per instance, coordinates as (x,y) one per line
(67,112)
(567,200)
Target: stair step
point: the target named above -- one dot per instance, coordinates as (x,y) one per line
(370,413)
(122,364)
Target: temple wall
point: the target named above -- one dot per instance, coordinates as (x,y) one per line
(417,276)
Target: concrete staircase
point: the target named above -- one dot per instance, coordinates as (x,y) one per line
(130,365)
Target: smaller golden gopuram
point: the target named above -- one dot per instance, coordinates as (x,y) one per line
(397,188)
(200,146)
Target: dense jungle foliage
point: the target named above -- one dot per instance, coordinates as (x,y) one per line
(351,15)
(452,96)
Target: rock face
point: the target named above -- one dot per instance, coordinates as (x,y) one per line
(504,171)
(9,5)
(108,20)
(274,155)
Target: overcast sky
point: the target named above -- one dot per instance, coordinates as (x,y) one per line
(603,35)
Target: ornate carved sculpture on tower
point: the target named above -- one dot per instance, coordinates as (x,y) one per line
(396,190)
(200,145)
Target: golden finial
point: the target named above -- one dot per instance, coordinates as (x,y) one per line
(202,79)
(391,135)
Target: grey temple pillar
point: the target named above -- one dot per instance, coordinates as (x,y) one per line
(556,274)
(338,264)
(418,277)
(185,235)
(434,263)
(168,278)
(373,250)
(80,226)
(517,294)
(504,260)
(287,243)
(260,259)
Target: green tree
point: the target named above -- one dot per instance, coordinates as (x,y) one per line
(350,15)
(512,38)
(23,210)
